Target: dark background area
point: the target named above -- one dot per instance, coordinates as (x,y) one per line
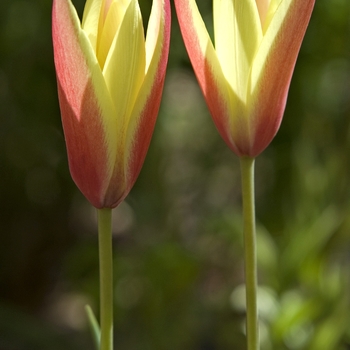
(178,236)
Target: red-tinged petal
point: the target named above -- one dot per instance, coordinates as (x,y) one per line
(221,99)
(144,114)
(273,68)
(87,112)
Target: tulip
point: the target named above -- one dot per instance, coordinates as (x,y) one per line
(245,80)
(245,77)
(110,80)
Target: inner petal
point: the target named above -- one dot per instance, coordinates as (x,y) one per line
(263,7)
(270,13)
(237,32)
(90,20)
(110,20)
(124,68)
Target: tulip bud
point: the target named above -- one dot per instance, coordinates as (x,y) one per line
(245,76)
(110,80)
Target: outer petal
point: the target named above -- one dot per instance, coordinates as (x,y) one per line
(273,68)
(144,114)
(220,98)
(86,108)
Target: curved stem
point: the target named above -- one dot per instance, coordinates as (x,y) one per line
(247,173)
(106,277)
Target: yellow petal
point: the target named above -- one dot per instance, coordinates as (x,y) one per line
(109,28)
(90,21)
(263,7)
(238,34)
(270,13)
(124,69)
(154,31)
(144,113)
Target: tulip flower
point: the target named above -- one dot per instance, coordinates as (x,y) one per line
(245,76)
(110,80)
(245,80)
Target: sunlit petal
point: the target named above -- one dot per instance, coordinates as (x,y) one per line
(146,107)
(270,13)
(273,68)
(124,70)
(263,7)
(90,21)
(86,108)
(157,21)
(110,28)
(238,32)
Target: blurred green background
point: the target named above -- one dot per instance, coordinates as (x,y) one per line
(178,236)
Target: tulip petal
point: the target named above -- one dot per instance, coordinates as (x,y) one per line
(86,108)
(144,113)
(156,24)
(270,13)
(109,28)
(238,33)
(273,68)
(90,20)
(263,7)
(222,101)
(124,70)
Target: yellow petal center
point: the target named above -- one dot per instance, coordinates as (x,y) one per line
(238,34)
(111,16)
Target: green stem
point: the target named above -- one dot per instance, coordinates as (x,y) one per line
(106,277)
(247,172)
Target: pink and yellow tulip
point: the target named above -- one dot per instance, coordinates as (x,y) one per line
(110,80)
(245,77)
